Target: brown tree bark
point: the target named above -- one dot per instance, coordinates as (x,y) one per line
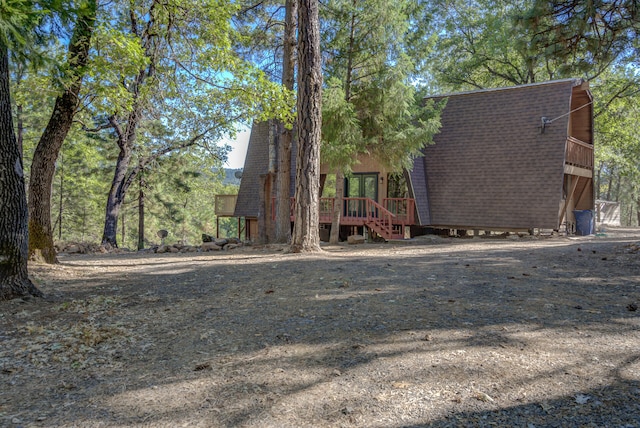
(14,232)
(43,166)
(283,216)
(306,234)
(120,183)
(334,238)
(141,195)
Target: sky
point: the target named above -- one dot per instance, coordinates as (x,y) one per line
(238,152)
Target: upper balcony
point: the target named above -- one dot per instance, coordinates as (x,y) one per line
(578,158)
(225,205)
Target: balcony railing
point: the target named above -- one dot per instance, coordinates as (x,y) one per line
(225,205)
(579,154)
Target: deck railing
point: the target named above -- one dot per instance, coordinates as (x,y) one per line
(403,208)
(357,211)
(225,205)
(579,154)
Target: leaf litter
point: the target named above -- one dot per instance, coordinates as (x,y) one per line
(435,332)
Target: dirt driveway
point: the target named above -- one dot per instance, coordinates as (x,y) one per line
(527,332)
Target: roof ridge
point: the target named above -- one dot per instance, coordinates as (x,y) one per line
(576,82)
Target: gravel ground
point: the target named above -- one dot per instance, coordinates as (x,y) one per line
(439,332)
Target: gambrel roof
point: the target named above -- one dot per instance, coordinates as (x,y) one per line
(492,164)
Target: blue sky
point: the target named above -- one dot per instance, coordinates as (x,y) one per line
(238,152)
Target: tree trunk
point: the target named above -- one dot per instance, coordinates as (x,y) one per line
(610,185)
(306,233)
(20,123)
(60,208)
(141,213)
(283,204)
(14,232)
(617,192)
(43,165)
(337,208)
(127,136)
(123,229)
(265,222)
(116,196)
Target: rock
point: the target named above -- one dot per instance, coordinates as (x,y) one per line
(234,241)
(174,249)
(207,238)
(230,246)
(355,239)
(221,242)
(75,249)
(210,246)
(162,249)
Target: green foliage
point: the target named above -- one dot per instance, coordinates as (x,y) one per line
(82,177)
(370,104)
(341,132)
(18,19)
(201,67)
(480,47)
(179,197)
(396,124)
(617,142)
(590,35)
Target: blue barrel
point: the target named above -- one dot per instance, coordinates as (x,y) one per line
(584,222)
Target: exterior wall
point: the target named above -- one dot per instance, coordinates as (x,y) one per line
(581,123)
(367,164)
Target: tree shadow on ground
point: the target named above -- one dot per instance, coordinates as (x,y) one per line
(436,335)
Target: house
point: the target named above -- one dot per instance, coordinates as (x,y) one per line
(508,159)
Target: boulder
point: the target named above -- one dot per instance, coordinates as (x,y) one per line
(231,246)
(221,242)
(174,249)
(210,246)
(75,249)
(207,238)
(355,239)
(162,249)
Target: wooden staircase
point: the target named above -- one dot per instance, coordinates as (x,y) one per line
(380,220)
(388,219)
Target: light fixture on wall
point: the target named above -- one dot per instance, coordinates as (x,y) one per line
(381,179)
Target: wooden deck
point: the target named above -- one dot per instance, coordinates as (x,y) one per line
(388,219)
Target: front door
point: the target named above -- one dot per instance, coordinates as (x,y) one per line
(360,186)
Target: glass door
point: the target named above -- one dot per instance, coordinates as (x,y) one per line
(360,186)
